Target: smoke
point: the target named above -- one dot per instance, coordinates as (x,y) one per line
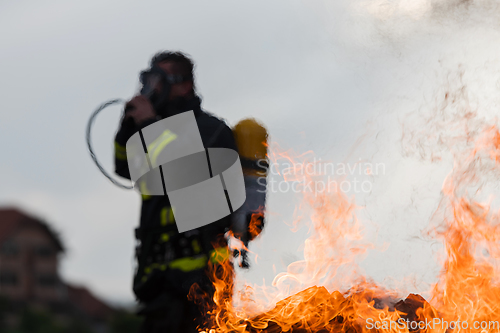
(433,72)
(370,23)
(417,63)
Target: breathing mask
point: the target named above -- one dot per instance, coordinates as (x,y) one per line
(156,85)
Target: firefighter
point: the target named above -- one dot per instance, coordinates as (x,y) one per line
(169,263)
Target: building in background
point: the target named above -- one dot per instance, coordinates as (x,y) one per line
(30,251)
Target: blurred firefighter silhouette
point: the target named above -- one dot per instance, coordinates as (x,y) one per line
(170,263)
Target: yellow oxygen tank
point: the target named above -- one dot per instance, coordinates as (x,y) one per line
(251,140)
(248,221)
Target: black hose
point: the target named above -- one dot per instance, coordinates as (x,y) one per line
(89,143)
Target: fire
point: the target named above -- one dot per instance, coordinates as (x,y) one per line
(469,289)
(256,223)
(326,292)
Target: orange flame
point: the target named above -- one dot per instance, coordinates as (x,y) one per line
(326,291)
(256,223)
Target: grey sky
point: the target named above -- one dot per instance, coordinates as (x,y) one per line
(319,74)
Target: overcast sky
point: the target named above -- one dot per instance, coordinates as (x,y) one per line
(335,77)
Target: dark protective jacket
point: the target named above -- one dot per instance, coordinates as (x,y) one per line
(161,248)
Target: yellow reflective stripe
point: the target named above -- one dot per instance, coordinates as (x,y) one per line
(189,263)
(144,191)
(196,246)
(120,148)
(171,217)
(120,156)
(163,216)
(120,151)
(165,237)
(155,148)
(150,268)
(184,264)
(166,216)
(219,255)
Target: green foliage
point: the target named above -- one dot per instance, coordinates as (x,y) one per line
(32,321)
(77,326)
(37,322)
(125,322)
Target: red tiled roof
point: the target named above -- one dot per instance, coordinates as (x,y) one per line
(89,304)
(11,219)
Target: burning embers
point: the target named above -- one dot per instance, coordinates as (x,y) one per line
(339,313)
(466,297)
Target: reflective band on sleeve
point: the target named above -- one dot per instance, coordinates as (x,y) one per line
(120,152)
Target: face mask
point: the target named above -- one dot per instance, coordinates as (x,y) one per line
(151,79)
(156,77)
